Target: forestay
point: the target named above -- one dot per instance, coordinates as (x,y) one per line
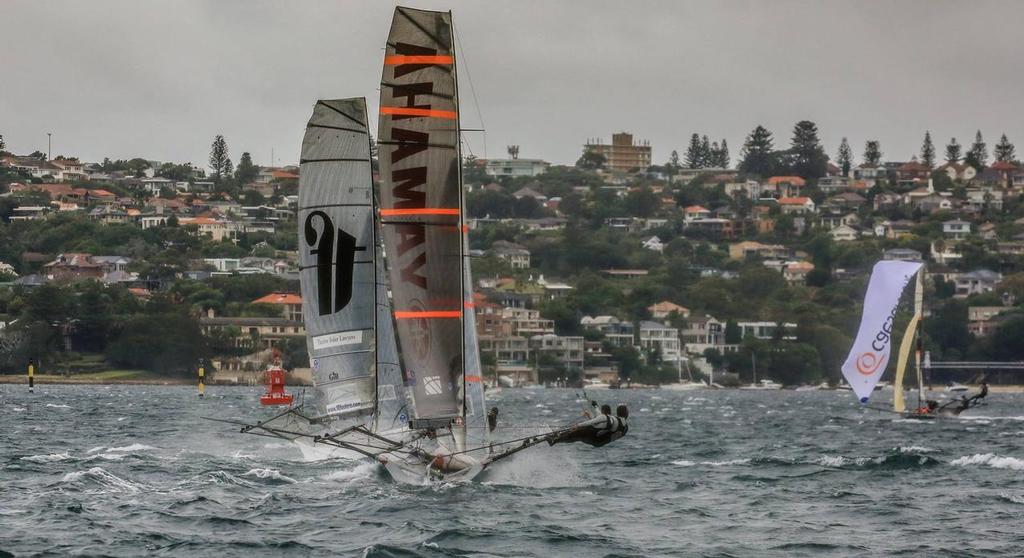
(336,258)
(870,353)
(421,209)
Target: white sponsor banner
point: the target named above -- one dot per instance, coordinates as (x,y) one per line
(870,352)
(339,339)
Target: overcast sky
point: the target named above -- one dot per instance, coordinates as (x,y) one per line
(159,79)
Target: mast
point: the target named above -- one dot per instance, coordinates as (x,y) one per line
(918,313)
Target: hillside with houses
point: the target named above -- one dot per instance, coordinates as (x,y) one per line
(613,269)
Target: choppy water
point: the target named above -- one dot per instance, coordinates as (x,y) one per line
(132,470)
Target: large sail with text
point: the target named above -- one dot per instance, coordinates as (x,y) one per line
(870,353)
(421,207)
(336,258)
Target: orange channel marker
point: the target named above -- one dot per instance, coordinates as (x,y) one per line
(408,111)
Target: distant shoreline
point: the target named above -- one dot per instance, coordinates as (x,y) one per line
(51,379)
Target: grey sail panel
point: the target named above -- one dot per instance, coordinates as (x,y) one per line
(477,434)
(420,206)
(336,258)
(392,404)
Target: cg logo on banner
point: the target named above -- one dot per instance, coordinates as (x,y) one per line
(868,363)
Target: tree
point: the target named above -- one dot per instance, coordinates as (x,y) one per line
(673,165)
(220,162)
(642,202)
(705,152)
(694,155)
(723,155)
(928,151)
(845,157)
(757,156)
(733,335)
(3,146)
(872,153)
(1004,151)
(245,172)
(591,160)
(808,156)
(977,157)
(953,151)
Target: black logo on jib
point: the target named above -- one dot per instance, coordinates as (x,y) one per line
(335,252)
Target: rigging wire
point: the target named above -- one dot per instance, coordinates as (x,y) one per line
(472,91)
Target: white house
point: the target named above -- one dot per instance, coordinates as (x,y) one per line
(654,244)
(957,229)
(844,233)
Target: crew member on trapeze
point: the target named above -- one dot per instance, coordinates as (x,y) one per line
(599,431)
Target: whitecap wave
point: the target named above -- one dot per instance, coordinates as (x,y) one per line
(914,449)
(49,458)
(271,474)
(108,481)
(131,449)
(363,470)
(55,406)
(1015,498)
(18,409)
(991,460)
(96,449)
(727,463)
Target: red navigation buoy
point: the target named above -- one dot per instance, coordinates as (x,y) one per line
(275,387)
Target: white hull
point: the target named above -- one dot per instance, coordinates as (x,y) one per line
(683,386)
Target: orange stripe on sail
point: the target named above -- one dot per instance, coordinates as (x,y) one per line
(473,379)
(399,59)
(408,111)
(420,211)
(469,304)
(422,314)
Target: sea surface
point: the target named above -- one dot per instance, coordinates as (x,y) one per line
(135,471)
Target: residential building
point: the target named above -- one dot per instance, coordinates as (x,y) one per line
(702,333)
(515,255)
(254,333)
(694,212)
(844,233)
(515,167)
(567,350)
(752,249)
(796,206)
(662,310)
(527,323)
(767,330)
(616,332)
(981,319)
(665,339)
(785,186)
(720,228)
(653,243)
(977,282)
(956,229)
(902,254)
(833,184)
(622,154)
(290,303)
(796,272)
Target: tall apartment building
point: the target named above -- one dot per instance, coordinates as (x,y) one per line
(623,154)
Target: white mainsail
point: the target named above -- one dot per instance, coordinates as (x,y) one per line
(870,353)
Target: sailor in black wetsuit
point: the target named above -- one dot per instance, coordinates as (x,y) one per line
(598,431)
